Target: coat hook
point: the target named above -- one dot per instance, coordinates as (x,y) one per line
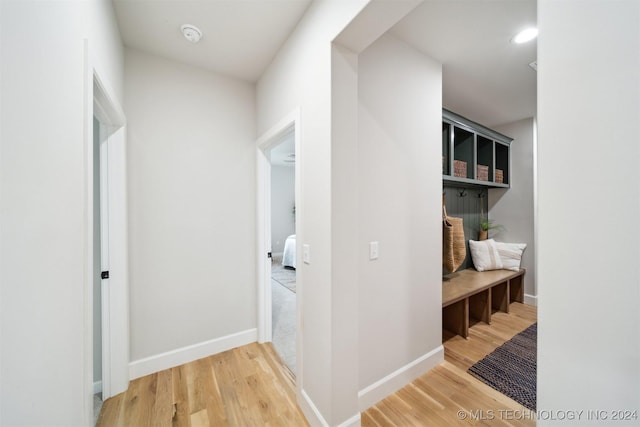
(462,193)
(481,194)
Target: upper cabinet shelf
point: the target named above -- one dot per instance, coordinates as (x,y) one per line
(473,154)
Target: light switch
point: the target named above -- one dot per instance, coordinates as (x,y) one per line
(373,250)
(306,254)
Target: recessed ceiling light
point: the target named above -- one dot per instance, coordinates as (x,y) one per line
(191,33)
(525,35)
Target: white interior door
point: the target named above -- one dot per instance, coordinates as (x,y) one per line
(113,241)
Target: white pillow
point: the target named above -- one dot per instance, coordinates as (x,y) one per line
(511,254)
(485,255)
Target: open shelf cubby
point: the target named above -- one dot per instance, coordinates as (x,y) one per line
(446,148)
(473,154)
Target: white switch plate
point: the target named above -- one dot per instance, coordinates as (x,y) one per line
(373,250)
(306,254)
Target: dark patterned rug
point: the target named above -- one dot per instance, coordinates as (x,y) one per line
(511,368)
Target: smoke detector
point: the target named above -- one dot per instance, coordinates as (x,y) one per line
(191,33)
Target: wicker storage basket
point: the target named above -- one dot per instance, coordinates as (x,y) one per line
(460,168)
(482,173)
(454,248)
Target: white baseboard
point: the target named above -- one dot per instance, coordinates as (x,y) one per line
(352,422)
(398,379)
(180,356)
(531,300)
(311,412)
(97,387)
(315,418)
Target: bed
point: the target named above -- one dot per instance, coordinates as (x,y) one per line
(289,254)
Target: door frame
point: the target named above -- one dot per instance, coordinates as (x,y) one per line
(263,173)
(101,102)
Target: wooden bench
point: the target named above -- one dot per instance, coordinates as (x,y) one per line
(470,294)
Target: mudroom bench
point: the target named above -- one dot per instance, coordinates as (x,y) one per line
(472,295)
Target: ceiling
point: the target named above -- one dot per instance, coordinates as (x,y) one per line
(486,78)
(240,37)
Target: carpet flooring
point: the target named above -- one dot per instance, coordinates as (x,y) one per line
(97,407)
(511,368)
(283,312)
(285,276)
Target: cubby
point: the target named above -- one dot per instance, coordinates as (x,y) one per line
(473,154)
(446,148)
(470,297)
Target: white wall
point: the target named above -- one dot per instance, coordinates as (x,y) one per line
(513,208)
(588,208)
(104,39)
(399,194)
(300,77)
(192,231)
(320,79)
(344,241)
(283,199)
(45,372)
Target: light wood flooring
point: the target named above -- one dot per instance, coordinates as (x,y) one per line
(246,386)
(250,386)
(447,395)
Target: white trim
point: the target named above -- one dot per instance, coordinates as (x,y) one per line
(263,245)
(97,387)
(531,300)
(393,382)
(180,356)
(263,175)
(263,241)
(115,291)
(100,100)
(352,422)
(105,106)
(270,138)
(309,408)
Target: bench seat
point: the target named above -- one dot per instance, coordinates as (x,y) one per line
(472,295)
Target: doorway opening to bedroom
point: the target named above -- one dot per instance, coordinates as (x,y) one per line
(283,248)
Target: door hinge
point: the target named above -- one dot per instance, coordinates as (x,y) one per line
(104,275)
(269,255)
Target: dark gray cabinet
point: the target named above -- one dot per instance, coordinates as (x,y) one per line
(473,154)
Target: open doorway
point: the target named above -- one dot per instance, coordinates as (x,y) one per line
(280,292)
(283,248)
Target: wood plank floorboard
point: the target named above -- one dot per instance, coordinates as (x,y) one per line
(251,386)
(439,397)
(246,386)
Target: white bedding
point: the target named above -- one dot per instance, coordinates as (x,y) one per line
(289,255)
